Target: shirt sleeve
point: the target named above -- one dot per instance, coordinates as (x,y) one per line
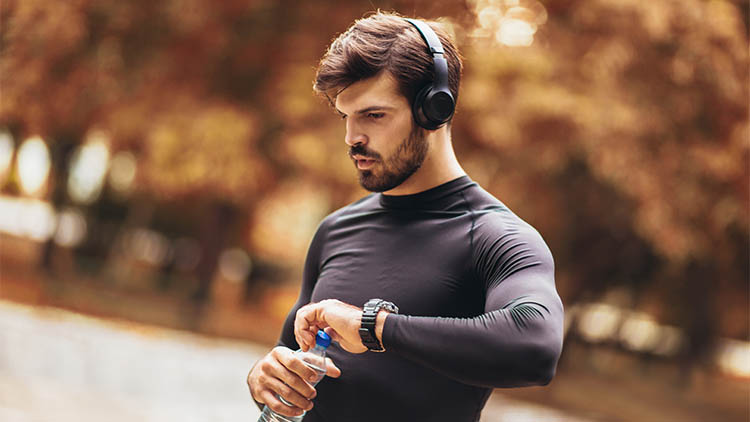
(518,339)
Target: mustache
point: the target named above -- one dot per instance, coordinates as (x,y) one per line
(360,149)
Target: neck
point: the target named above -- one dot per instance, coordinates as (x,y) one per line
(440,166)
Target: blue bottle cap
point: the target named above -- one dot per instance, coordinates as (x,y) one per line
(322,339)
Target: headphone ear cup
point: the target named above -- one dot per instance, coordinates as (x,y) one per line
(438,106)
(418,109)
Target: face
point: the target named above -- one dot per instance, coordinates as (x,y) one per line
(386,147)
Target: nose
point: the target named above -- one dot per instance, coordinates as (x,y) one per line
(354,134)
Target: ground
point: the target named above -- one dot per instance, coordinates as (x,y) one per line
(73,351)
(57,365)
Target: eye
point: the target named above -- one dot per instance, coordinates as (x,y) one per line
(375,115)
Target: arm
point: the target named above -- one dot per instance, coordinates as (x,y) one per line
(516,342)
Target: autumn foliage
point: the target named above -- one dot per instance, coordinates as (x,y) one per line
(621,133)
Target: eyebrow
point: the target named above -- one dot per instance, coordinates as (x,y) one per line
(367,109)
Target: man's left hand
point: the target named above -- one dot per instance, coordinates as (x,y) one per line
(340,320)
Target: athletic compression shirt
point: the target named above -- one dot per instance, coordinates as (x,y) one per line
(478,307)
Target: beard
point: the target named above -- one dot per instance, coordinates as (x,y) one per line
(393,171)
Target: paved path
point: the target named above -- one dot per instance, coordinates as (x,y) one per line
(63,367)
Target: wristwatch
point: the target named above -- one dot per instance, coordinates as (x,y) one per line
(369,315)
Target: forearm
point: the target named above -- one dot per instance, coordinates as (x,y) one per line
(488,350)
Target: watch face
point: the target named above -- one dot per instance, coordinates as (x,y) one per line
(388,306)
(372,303)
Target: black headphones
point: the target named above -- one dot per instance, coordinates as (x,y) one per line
(434,104)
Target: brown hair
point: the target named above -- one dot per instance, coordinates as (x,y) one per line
(385,41)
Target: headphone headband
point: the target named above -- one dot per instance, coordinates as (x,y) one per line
(429,36)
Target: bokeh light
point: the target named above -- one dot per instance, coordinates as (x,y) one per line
(234,264)
(26,217)
(734,357)
(33,166)
(640,333)
(71,228)
(122,171)
(599,322)
(512,23)
(515,33)
(88,169)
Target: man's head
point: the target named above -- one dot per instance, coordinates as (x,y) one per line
(372,73)
(385,42)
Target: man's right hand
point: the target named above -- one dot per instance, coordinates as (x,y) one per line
(281,373)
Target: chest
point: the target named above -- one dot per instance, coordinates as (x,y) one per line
(421,263)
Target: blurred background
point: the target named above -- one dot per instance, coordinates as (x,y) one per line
(164,165)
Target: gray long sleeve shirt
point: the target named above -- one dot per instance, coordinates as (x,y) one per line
(476,292)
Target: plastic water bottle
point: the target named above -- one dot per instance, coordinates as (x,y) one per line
(314,358)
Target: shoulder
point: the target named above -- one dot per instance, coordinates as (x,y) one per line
(499,232)
(491,215)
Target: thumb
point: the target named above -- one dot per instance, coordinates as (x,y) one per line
(331,369)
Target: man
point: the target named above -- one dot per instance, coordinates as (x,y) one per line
(470,301)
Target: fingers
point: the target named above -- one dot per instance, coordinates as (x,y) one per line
(296,372)
(340,320)
(289,395)
(331,369)
(307,324)
(272,401)
(281,373)
(300,327)
(311,318)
